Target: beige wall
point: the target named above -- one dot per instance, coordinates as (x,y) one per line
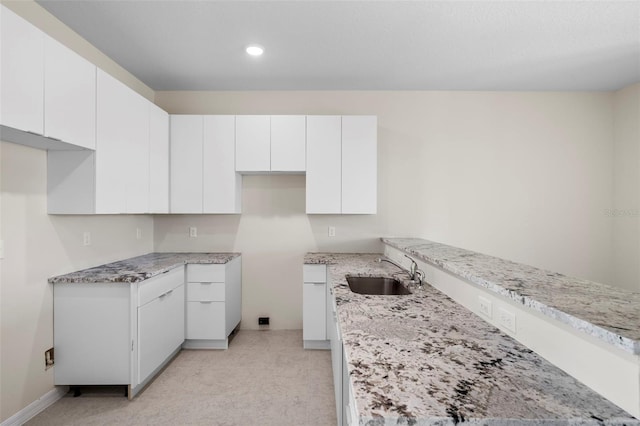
(626,206)
(38,246)
(525,176)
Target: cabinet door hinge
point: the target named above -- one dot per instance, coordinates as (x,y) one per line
(132,346)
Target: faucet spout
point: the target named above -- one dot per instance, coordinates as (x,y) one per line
(414,273)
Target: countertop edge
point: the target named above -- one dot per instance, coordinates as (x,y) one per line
(627,344)
(76,277)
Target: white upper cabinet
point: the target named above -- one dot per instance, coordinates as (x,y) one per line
(186,163)
(158,160)
(22,71)
(203,175)
(341,164)
(69,96)
(359,164)
(324,164)
(222,185)
(111,145)
(288,143)
(122,148)
(136,154)
(253,143)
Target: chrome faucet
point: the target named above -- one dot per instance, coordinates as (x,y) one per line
(415,274)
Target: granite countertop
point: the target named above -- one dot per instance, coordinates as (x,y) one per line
(140,268)
(422,359)
(608,313)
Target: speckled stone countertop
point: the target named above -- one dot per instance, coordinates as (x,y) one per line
(605,312)
(422,359)
(140,268)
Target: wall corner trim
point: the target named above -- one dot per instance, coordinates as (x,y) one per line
(36,407)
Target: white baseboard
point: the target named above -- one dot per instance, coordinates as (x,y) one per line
(36,407)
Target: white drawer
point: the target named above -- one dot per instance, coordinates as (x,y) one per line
(205,320)
(314,273)
(205,273)
(159,285)
(205,292)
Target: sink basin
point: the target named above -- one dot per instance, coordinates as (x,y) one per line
(376,285)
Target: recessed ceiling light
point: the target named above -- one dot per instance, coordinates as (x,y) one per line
(255,50)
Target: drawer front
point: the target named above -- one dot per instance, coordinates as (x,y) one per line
(205,292)
(205,320)
(314,273)
(205,273)
(159,285)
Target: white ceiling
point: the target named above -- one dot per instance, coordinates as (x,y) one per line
(365,45)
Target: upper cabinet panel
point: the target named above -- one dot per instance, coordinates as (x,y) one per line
(22,82)
(288,143)
(69,96)
(359,164)
(323,192)
(222,185)
(186,163)
(158,160)
(253,143)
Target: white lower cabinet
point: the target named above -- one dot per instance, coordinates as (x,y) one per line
(117,333)
(213,308)
(314,315)
(160,330)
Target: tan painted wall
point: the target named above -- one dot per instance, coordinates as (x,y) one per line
(525,176)
(626,207)
(38,246)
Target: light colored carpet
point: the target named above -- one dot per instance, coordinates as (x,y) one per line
(264,378)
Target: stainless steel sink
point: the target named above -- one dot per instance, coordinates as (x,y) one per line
(376,285)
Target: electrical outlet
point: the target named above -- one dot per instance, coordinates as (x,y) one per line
(193,232)
(331,231)
(485,306)
(507,319)
(86,238)
(48,359)
(138,234)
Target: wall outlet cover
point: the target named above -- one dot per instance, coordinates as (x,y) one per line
(507,319)
(485,306)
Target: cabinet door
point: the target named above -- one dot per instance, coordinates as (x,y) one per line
(314,311)
(22,82)
(253,143)
(69,96)
(359,164)
(186,163)
(323,192)
(158,160)
(111,144)
(205,320)
(160,330)
(288,143)
(222,186)
(136,156)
